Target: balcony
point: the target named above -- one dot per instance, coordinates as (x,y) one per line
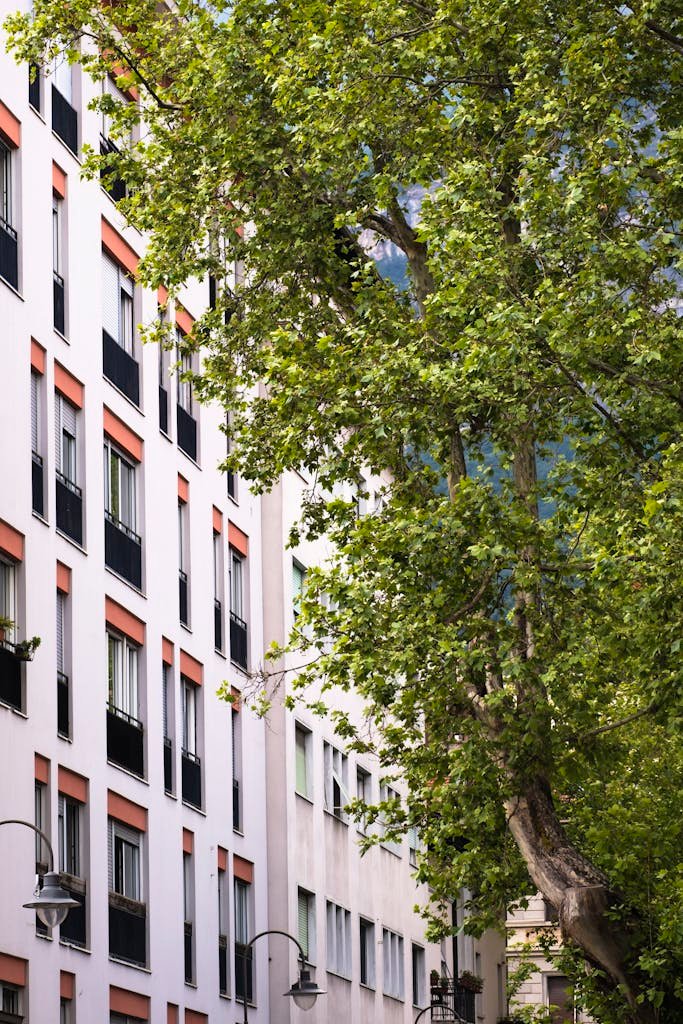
(120,368)
(34,86)
(168,764)
(191,778)
(163,409)
(127,929)
(238,641)
(10,675)
(242,961)
(236,806)
(125,741)
(189,973)
(73,928)
(9,254)
(187,432)
(116,188)
(69,508)
(36,483)
(58,301)
(451,1001)
(182,593)
(122,550)
(64,121)
(217,624)
(223,964)
(63,713)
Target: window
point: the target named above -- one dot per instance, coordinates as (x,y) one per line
(119,488)
(239,646)
(10,1001)
(338,940)
(236,584)
(7,599)
(387,794)
(237,795)
(62,77)
(188,915)
(560,998)
(125,862)
(122,670)
(58,263)
(69,823)
(65,1014)
(231,475)
(223,927)
(419,982)
(6,185)
(367,952)
(189,710)
(185,395)
(65,440)
(167,719)
(183,564)
(35,412)
(118,317)
(217,591)
(550,912)
(413,845)
(242,935)
(302,747)
(336,781)
(298,575)
(363,792)
(40,821)
(392,946)
(306,923)
(111,90)
(37,479)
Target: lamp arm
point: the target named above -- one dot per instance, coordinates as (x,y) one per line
(259,935)
(28,824)
(422,1013)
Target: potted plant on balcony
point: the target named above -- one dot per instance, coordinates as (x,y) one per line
(471,982)
(438,986)
(25,649)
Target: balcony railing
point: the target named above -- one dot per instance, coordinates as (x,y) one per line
(37,483)
(58,301)
(127,929)
(217,624)
(182,595)
(168,764)
(34,86)
(187,432)
(120,368)
(236,806)
(191,778)
(73,928)
(238,640)
(223,964)
(10,675)
(163,409)
(189,973)
(122,550)
(241,953)
(125,741)
(9,254)
(69,508)
(63,712)
(64,120)
(451,1001)
(116,188)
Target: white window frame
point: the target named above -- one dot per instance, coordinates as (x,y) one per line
(39,817)
(336,779)
(237,572)
(115,277)
(387,793)
(189,699)
(242,906)
(120,487)
(66,439)
(418,974)
(8,596)
(69,835)
(10,998)
(393,979)
(338,921)
(61,76)
(303,744)
(123,674)
(185,394)
(363,792)
(305,916)
(298,578)
(57,228)
(7,184)
(366,942)
(131,846)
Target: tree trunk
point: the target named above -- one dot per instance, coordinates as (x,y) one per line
(578,890)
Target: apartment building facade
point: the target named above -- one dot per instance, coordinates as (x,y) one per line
(123,550)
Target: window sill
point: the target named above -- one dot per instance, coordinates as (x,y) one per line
(127,963)
(64,146)
(190,984)
(41,519)
(240,668)
(194,808)
(126,771)
(396,999)
(44,936)
(342,977)
(189,457)
(12,288)
(15,711)
(62,336)
(304,796)
(221,654)
(37,113)
(184,625)
(117,576)
(235,501)
(367,987)
(73,543)
(77,949)
(63,738)
(125,397)
(170,795)
(394,853)
(238,832)
(335,817)
(167,436)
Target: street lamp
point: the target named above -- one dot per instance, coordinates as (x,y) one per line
(52,903)
(304,992)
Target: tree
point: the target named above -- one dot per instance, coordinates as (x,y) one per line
(511,611)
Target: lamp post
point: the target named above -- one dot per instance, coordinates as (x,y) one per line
(304,992)
(52,903)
